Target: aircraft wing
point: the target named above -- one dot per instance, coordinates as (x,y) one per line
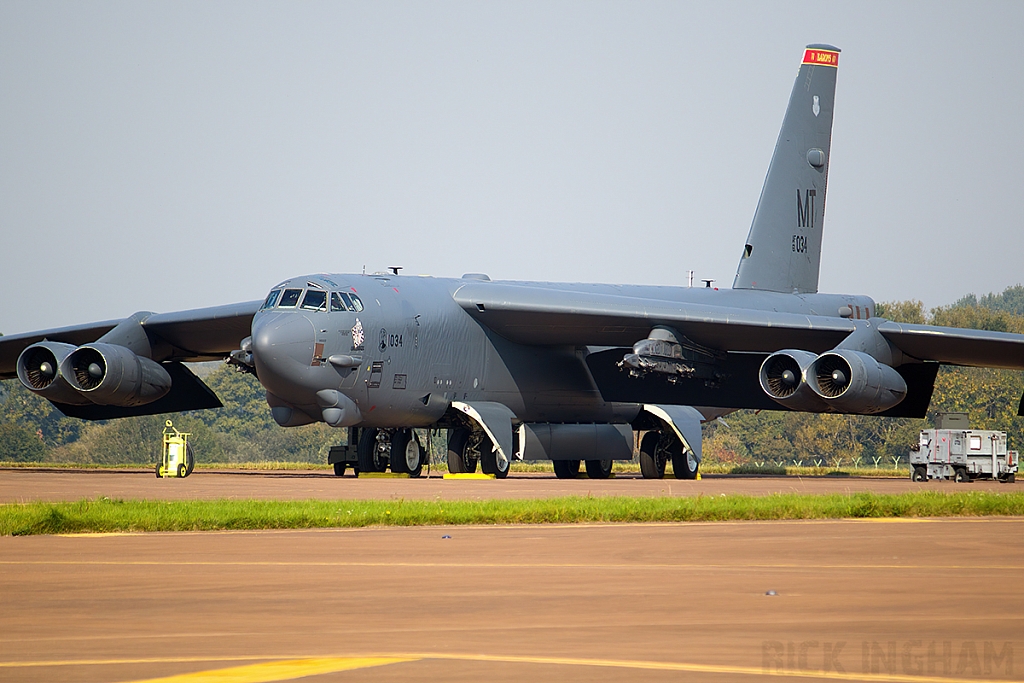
(534,315)
(195,335)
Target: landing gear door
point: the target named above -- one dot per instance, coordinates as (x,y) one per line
(684,421)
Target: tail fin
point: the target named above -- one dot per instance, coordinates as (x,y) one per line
(783,249)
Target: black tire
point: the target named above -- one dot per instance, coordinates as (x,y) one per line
(566,469)
(489,463)
(1010,478)
(190,459)
(406,453)
(339,469)
(599,469)
(370,458)
(652,461)
(460,461)
(684,462)
(182,471)
(158,466)
(919,473)
(960,475)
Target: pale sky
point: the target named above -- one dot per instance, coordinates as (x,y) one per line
(170,155)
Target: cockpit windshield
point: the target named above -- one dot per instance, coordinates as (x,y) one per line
(271,299)
(290,298)
(315,300)
(343,301)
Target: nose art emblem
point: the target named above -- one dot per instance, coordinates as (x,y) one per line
(357,336)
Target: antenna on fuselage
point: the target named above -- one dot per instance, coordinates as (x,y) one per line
(394,269)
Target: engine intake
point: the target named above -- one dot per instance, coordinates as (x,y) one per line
(854,382)
(39,370)
(782,377)
(112,375)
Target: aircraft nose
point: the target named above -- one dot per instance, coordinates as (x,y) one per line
(282,345)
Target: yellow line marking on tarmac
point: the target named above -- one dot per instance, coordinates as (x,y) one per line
(512,565)
(283,670)
(290,668)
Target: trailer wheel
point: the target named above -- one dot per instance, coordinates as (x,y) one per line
(339,469)
(567,469)
(960,476)
(920,473)
(1008,479)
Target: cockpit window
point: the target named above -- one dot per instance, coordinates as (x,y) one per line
(290,298)
(357,305)
(315,300)
(271,299)
(336,303)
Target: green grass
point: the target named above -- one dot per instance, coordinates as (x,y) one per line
(105,515)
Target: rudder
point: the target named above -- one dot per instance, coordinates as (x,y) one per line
(783,248)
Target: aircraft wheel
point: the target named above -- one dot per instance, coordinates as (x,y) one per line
(567,469)
(961,476)
(491,462)
(460,459)
(652,458)
(339,469)
(370,457)
(599,469)
(406,453)
(684,462)
(920,473)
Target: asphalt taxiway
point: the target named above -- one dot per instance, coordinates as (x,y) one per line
(26,485)
(900,600)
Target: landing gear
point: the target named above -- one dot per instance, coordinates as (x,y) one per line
(652,456)
(491,461)
(599,469)
(920,473)
(372,452)
(567,469)
(684,462)
(462,457)
(406,453)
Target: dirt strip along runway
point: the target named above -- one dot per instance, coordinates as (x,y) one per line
(22,485)
(873,600)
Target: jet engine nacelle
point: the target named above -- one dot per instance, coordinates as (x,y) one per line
(854,382)
(112,375)
(39,370)
(782,377)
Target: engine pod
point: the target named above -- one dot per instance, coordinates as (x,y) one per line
(39,370)
(783,378)
(111,375)
(854,382)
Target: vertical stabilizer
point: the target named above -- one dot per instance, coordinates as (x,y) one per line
(783,249)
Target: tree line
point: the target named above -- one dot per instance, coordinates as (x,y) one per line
(31,430)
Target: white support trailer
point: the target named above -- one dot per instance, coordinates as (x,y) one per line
(962,455)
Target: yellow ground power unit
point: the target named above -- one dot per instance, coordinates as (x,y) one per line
(178,459)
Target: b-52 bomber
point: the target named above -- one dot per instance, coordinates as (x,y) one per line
(538,370)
